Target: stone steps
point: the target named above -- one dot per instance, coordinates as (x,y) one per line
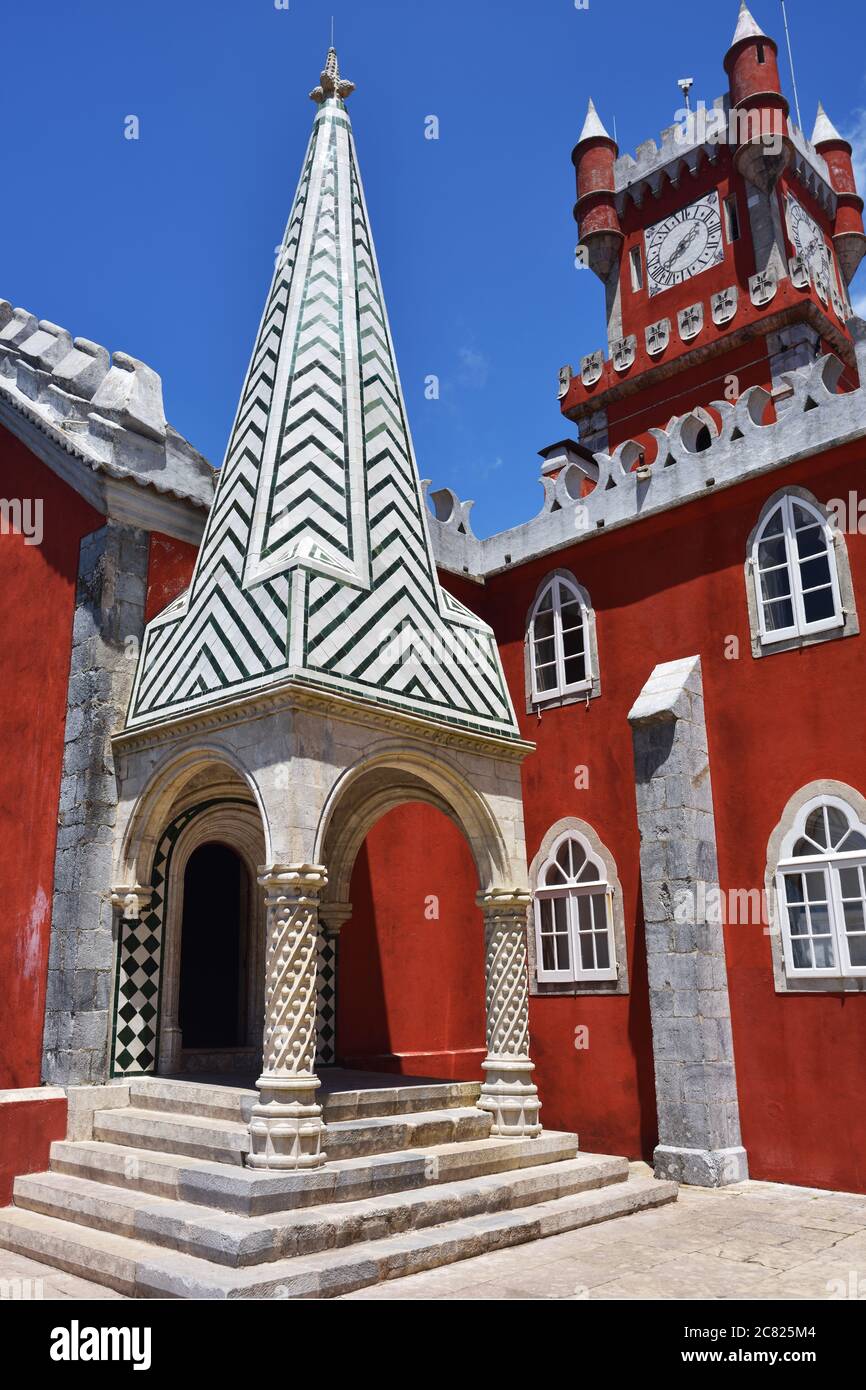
(240,1241)
(139,1269)
(254,1192)
(234,1103)
(227,1141)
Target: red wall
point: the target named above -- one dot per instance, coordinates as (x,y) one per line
(169,570)
(27,1131)
(38,587)
(411,987)
(669,588)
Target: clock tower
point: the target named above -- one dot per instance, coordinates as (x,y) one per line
(726,250)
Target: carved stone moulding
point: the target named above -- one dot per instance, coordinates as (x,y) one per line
(591,368)
(762,287)
(723,305)
(690,321)
(622,352)
(565,375)
(658,336)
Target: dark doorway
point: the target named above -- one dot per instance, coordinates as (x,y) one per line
(212,997)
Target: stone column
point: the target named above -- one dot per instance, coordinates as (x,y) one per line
(286,1126)
(696,1085)
(508,1091)
(332,919)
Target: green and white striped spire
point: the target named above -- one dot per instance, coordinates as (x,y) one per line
(316,563)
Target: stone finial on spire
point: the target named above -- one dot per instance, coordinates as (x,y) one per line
(592,126)
(331,83)
(747,26)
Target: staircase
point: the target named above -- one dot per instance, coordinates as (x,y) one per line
(158,1204)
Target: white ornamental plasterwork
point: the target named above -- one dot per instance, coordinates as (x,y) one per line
(622,352)
(658,336)
(565,375)
(690,321)
(316,563)
(723,305)
(762,287)
(508,1091)
(798,271)
(839,306)
(591,368)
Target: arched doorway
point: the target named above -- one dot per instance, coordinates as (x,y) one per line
(213,993)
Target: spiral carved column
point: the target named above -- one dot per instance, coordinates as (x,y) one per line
(286,1126)
(508,1091)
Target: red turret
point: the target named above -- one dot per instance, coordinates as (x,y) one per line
(848,235)
(595,212)
(761,141)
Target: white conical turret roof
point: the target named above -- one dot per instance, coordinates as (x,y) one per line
(824,128)
(592,126)
(747,26)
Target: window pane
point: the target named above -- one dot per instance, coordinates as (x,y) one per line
(543,626)
(811,541)
(772,553)
(852,841)
(560,915)
(572,615)
(857,949)
(602,950)
(546,602)
(584,914)
(563,954)
(778,615)
(775,583)
(545,677)
(850,881)
(587,959)
(798,921)
(545,651)
(854,916)
(801,953)
(819,918)
(816,887)
(816,827)
(553,874)
(802,517)
(575,671)
(578,858)
(773,525)
(819,605)
(548,953)
(572,642)
(825,956)
(589,873)
(793,888)
(837,823)
(803,847)
(815,573)
(565,857)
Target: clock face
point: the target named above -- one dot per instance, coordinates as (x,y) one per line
(684,244)
(808,241)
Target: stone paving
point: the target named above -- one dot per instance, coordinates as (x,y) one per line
(753,1240)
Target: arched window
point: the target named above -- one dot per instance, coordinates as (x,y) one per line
(559,645)
(821,887)
(794,571)
(573,918)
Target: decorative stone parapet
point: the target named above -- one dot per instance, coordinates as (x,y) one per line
(286,1127)
(508,1091)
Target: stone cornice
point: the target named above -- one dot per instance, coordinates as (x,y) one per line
(290,695)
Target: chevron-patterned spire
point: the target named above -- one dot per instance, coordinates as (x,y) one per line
(316,563)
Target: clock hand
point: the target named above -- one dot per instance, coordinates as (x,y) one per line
(681,246)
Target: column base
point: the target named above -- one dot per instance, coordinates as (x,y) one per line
(286,1127)
(701,1167)
(509,1094)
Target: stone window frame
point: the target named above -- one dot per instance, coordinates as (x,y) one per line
(536,704)
(849,626)
(575,826)
(803,984)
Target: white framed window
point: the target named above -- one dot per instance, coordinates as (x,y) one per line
(636,266)
(821,892)
(574,936)
(732,218)
(559,646)
(794,571)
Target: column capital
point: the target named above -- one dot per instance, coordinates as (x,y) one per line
(292,880)
(503,903)
(130,900)
(334,916)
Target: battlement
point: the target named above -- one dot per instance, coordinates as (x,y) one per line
(703,450)
(105,409)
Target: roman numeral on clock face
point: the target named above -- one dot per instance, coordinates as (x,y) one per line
(684,243)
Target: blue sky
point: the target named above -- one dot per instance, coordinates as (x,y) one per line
(163,247)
